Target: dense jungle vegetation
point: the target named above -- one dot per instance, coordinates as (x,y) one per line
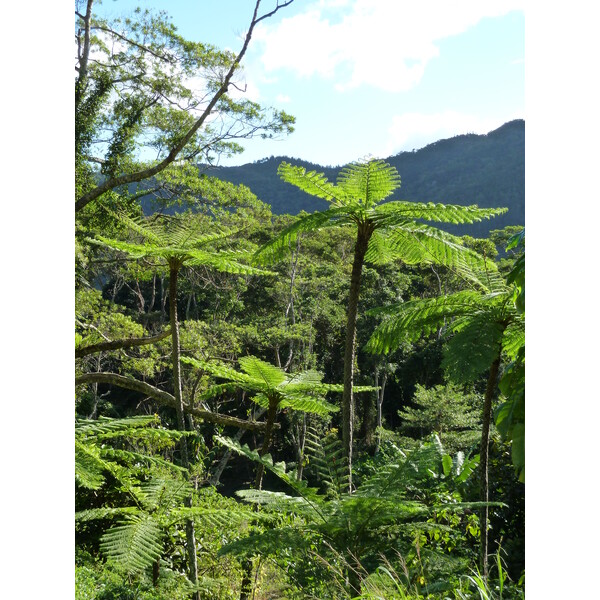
(327,405)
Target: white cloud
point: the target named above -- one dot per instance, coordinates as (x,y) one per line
(283,99)
(415,130)
(383,43)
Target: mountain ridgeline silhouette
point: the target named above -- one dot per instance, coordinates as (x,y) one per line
(487,170)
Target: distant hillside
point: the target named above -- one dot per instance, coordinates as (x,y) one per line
(487,170)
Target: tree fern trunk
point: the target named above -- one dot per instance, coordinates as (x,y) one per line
(362,243)
(483,464)
(177,392)
(272,412)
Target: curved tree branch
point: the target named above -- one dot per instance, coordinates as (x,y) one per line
(167,399)
(118,344)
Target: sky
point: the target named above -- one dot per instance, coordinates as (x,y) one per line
(367,78)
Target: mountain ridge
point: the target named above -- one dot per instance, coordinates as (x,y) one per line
(483,169)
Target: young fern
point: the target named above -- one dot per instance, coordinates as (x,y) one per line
(325,456)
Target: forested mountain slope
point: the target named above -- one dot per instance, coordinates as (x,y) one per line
(487,170)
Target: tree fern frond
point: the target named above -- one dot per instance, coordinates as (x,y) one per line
(397,212)
(280,246)
(313,183)
(219,518)
(278,469)
(225,261)
(223,372)
(417,466)
(326,457)
(368,183)
(134,544)
(93,514)
(149,230)
(159,492)
(130,457)
(410,320)
(265,372)
(279,501)
(270,542)
(473,348)
(418,243)
(89,466)
(307,403)
(514,337)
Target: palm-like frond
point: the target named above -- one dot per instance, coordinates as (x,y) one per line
(311,182)
(278,247)
(264,372)
(306,403)
(514,337)
(159,492)
(134,544)
(185,240)
(326,457)
(106,425)
(417,243)
(396,212)
(368,183)
(298,391)
(476,342)
(89,466)
(218,518)
(410,320)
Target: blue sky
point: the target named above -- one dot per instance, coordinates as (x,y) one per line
(367,77)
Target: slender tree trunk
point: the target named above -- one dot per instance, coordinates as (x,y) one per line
(246,587)
(83,57)
(155,572)
(483,463)
(300,449)
(362,243)
(272,412)
(380,393)
(177,392)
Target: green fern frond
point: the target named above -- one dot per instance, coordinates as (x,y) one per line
(514,336)
(264,372)
(271,542)
(408,321)
(159,492)
(107,425)
(218,518)
(394,213)
(89,466)
(94,514)
(326,457)
(473,348)
(134,544)
(418,243)
(279,247)
(368,183)
(278,469)
(313,183)
(129,457)
(306,403)
(278,502)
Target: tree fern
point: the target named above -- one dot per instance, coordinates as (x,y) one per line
(134,544)
(325,456)
(350,526)
(274,389)
(384,232)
